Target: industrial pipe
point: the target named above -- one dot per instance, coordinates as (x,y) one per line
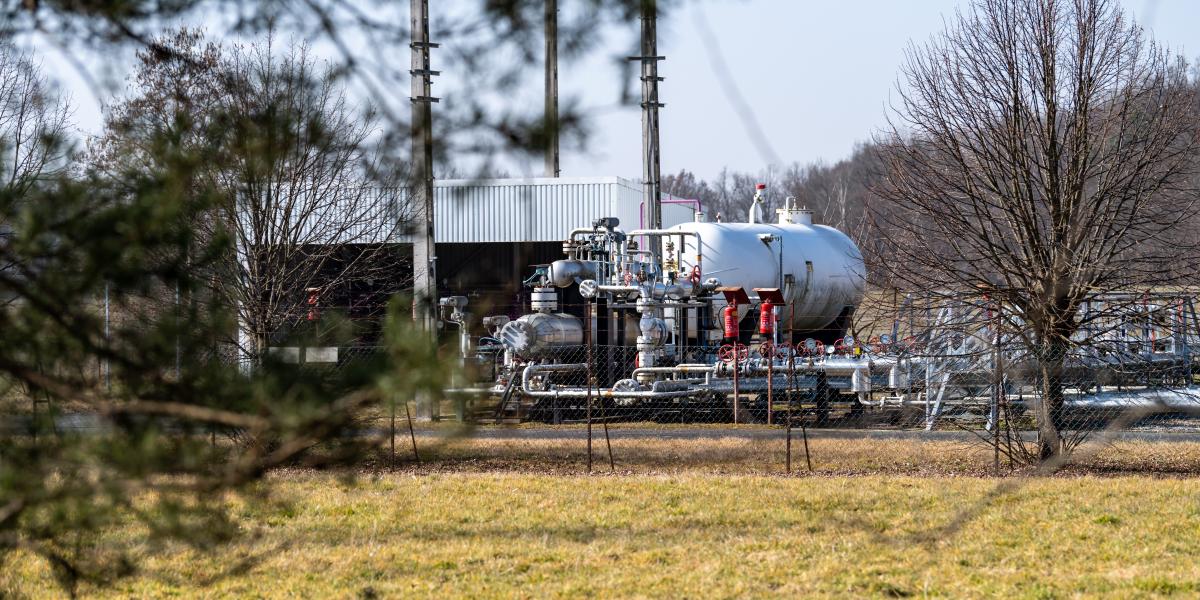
(583,393)
(681,233)
(677,369)
(592,230)
(563,273)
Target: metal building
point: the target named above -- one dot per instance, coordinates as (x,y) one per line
(489,232)
(540,209)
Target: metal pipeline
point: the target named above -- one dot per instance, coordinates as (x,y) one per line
(583,393)
(837,367)
(780,381)
(618,289)
(563,273)
(677,369)
(671,232)
(582,230)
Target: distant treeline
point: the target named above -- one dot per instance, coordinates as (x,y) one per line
(837,193)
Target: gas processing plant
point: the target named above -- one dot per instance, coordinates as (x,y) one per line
(732,322)
(738,322)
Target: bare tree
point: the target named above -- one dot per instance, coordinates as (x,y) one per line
(311,210)
(307,211)
(33,124)
(1038,152)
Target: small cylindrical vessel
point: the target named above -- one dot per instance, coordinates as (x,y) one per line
(538,334)
(766,318)
(729,319)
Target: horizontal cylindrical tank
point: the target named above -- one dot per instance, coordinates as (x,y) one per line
(537,334)
(565,272)
(822,269)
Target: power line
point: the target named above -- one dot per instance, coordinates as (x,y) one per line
(732,92)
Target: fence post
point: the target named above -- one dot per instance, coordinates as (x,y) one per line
(736,405)
(587,320)
(770,383)
(997,390)
(411,434)
(791,391)
(589,423)
(612,465)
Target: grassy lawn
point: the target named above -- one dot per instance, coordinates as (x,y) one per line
(685,535)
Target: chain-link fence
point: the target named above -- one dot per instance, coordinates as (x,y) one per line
(930,367)
(940,370)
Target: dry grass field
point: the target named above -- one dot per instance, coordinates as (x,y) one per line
(712,519)
(767,456)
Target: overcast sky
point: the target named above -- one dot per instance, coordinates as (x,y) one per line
(816,76)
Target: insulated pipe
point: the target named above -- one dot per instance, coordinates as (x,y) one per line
(658,291)
(755,384)
(838,368)
(618,289)
(564,272)
(464,337)
(577,393)
(677,369)
(583,393)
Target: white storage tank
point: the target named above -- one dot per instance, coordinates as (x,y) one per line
(822,269)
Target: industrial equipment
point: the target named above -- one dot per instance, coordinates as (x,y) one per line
(733,322)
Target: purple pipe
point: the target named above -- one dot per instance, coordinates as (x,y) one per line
(642,209)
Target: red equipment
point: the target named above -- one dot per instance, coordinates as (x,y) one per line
(729,317)
(730,320)
(730,353)
(770,298)
(314,298)
(766,318)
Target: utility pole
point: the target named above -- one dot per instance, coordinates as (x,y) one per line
(421,195)
(650,150)
(551,118)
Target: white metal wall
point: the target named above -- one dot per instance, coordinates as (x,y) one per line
(537,210)
(507,210)
(474,210)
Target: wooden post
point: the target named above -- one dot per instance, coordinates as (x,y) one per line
(421,185)
(411,434)
(551,107)
(424,259)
